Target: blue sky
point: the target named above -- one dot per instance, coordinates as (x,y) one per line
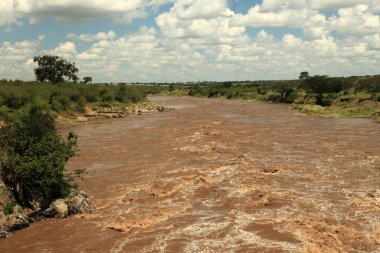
(192,40)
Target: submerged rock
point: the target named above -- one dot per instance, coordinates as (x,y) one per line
(74,204)
(162,108)
(78,204)
(57,209)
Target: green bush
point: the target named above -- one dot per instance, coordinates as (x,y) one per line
(33,156)
(8,208)
(91,97)
(121,95)
(134,95)
(81,105)
(15,102)
(376,97)
(292,97)
(67,98)
(105,96)
(273,97)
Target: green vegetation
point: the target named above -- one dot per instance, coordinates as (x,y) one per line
(70,98)
(67,99)
(33,156)
(273,91)
(317,95)
(87,79)
(54,68)
(8,208)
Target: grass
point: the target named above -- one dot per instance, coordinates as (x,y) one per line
(355,99)
(346,105)
(351,96)
(70,99)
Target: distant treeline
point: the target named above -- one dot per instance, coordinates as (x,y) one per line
(69,97)
(356,96)
(322,89)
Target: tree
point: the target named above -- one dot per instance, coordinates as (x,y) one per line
(317,85)
(285,89)
(121,95)
(87,79)
(171,88)
(33,158)
(54,68)
(304,75)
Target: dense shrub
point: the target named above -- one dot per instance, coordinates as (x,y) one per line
(8,208)
(14,102)
(69,97)
(33,157)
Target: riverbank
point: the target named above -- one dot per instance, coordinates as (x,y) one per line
(339,105)
(94,111)
(15,216)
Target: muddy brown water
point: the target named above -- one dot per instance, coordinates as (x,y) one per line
(219,175)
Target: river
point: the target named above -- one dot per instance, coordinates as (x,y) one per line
(216,175)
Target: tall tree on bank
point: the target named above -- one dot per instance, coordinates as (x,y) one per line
(54,69)
(317,85)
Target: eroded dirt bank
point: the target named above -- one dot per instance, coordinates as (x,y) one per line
(221,176)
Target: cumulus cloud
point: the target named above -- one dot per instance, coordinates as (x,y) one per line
(205,40)
(92,37)
(147,56)
(73,11)
(355,17)
(256,17)
(211,25)
(7,14)
(356,20)
(16,58)
(65,50)
(336,4)
(199,9)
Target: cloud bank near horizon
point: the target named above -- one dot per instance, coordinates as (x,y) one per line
(199,39)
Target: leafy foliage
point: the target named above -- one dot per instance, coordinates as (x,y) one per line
(53,69)
(8,208)
(33,156)
(68,98)
(317,85)
(87,79)
(304,75)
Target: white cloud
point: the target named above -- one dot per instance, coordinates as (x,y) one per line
(65,50)
(147,56)
(92,37)
(7,14)
(335,4)
(357,20)
(205,40)
(16,59)
(354,17)
(199,9)
(210,26)
(373,41)
(276,5)
(73,11)
(256,17)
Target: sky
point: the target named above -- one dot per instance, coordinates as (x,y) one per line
(192,40)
